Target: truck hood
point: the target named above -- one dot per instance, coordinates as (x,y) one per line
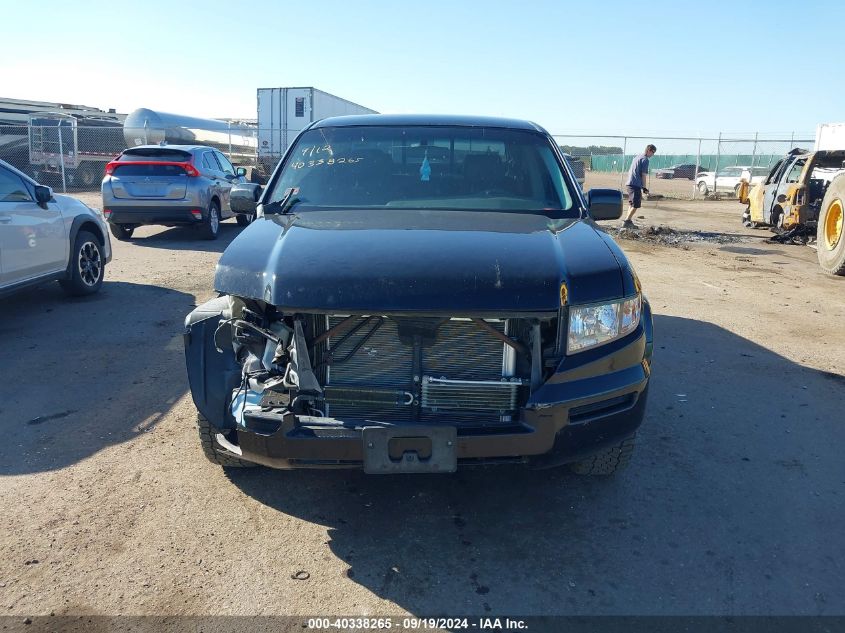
(456,262)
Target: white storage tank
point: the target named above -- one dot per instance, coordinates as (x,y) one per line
(150,127)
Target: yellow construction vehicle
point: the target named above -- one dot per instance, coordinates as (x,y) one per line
(803,197)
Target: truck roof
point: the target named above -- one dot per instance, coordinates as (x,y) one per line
(458,120)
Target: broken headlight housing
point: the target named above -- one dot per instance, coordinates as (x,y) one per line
(599,323)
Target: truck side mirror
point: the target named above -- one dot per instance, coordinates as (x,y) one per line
(604,204)
(240,172)
(244,197)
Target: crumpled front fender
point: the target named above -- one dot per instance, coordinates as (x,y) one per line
(212,375)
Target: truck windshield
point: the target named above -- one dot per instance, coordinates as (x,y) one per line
(424,167)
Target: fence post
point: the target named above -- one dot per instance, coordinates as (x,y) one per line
(622,166)
(754,150)
(61,156)
(695,174)
(791,141)
(230,140)
(718,158)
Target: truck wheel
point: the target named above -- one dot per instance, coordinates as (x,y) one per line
(210,229)
(87,176)
(830,234)
(215,453)
(87,266)
(245,219)
(122,232)
(608,461)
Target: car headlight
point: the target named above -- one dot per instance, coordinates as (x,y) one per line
(600,323)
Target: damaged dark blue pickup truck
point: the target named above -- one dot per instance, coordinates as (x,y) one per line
(419,293)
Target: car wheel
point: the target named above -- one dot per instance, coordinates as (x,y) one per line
(702,188)
(830,234)
(608,461)
(211,227)
(121,231)
(87,266)
(215,453)
(245,219)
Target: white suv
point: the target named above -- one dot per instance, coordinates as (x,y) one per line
(729,178)
(46,237)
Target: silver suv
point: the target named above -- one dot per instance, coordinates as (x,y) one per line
(171,185)
(46,237)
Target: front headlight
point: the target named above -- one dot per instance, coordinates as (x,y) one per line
(600,323)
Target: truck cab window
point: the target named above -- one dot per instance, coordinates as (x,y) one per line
(795,171)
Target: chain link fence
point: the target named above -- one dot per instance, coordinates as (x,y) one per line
(69,154)
(684,168)
(61,153)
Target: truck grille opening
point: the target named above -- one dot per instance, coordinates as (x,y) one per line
(427,370)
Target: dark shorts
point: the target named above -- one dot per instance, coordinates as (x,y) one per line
(635,196)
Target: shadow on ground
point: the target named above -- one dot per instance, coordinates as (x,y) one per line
(82,374)
(728,507)
(185,238)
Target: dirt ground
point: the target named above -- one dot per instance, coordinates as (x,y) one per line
(733,503)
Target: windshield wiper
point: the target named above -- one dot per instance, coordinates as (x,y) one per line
(284,205)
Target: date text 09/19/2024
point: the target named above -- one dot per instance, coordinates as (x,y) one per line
(414,624)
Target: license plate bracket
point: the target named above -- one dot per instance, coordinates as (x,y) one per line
(443,457)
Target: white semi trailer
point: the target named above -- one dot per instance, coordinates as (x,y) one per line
(830,136)
(285,112)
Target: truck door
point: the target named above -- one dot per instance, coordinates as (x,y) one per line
(769,189)
(789,175)
(32,238)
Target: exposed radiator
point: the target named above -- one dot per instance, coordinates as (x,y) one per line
(380,360)
(463,373)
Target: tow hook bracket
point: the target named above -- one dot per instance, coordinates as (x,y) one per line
(415,449)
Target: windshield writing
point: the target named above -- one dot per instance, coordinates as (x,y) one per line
(425,168)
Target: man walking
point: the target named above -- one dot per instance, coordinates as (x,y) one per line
(635,185)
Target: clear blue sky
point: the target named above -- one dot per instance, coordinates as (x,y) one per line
(588,66)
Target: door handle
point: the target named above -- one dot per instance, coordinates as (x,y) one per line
(5,219)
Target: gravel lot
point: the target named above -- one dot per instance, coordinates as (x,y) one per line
(733,503)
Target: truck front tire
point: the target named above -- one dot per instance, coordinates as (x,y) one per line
(215,453)
(608,461)
(830,234)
